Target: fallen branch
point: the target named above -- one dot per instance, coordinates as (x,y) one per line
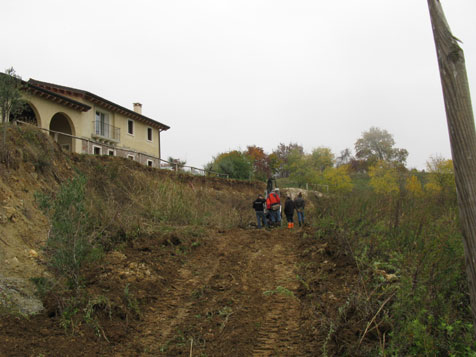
(375,316)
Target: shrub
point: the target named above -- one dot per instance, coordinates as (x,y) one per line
(69,242)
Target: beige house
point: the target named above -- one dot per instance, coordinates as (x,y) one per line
(83,122)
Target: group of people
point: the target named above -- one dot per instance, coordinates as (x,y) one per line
(268,211)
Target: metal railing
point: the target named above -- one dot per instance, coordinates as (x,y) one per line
(106,131)
(173,166)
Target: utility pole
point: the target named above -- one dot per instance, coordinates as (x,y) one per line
(462,132)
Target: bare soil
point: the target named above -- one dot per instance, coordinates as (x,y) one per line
(237,293)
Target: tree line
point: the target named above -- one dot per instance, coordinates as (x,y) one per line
(375,156)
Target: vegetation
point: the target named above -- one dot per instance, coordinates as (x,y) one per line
(70,242)
(10,103)
(403,233)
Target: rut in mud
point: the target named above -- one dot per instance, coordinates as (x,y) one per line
(236,293)
(240,295)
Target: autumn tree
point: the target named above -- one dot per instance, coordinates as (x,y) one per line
(260,162)
(441,177)
(378,144)
(384,178)
(283,153)
(338,179)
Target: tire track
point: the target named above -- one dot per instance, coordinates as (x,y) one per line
(279,334)
(175,305)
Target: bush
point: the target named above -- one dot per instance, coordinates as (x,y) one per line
(69,243)
(429,314)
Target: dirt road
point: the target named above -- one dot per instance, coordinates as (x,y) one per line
(244,292)
(234,298)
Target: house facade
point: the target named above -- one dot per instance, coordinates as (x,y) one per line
(84,122)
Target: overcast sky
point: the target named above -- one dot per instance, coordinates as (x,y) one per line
(225,74)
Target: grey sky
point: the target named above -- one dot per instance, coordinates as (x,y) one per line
(225,74)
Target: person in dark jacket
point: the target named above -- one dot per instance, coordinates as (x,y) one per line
(299,204)
(258,206)
(289,211)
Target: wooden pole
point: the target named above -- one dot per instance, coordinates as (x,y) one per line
(462,132)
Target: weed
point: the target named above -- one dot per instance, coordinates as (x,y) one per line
(131,302)
(328,338)
(279,290)
(43,286)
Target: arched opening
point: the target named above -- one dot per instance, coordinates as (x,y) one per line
(59,124)
(27,115)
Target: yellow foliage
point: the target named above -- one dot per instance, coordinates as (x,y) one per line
(413,186)
(441,175)
(433,188)
(384,178)
(338,179)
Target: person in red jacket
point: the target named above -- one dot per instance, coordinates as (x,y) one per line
(273,205)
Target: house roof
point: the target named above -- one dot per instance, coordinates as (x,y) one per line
(55,97)
(45,88)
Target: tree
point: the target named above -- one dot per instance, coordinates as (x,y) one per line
(283,152)
(321,158)
(344,158)
(10,99)
(384,178)
(377,144)
(462,132)
(177,163)
(260,162)
(338,179)
(441,177)
(234,164)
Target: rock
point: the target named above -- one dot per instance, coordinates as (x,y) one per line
(116,257)
(16,295)
(33,253)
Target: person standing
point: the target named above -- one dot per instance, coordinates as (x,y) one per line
(258,206)
(273,205)
(299,204)
(289,211)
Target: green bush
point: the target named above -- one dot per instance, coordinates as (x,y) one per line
(69,244)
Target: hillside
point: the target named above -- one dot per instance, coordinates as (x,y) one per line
(178,267)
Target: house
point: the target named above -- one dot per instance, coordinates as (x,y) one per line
(84,122)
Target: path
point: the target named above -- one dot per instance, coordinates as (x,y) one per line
(237,297)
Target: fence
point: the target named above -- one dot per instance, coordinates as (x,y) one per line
(89,146)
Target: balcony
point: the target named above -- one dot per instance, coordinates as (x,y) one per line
(105,132)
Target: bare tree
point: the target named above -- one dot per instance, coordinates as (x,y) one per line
(462,132)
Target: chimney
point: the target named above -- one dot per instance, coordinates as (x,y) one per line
(138,108)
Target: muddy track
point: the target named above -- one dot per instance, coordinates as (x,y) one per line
(279,334)
(174,304)
(236,293)
(238,299)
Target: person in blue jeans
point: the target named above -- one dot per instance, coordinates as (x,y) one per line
(273,205)
(258,206)
(299,204)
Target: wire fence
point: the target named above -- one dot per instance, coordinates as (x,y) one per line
(88,146)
